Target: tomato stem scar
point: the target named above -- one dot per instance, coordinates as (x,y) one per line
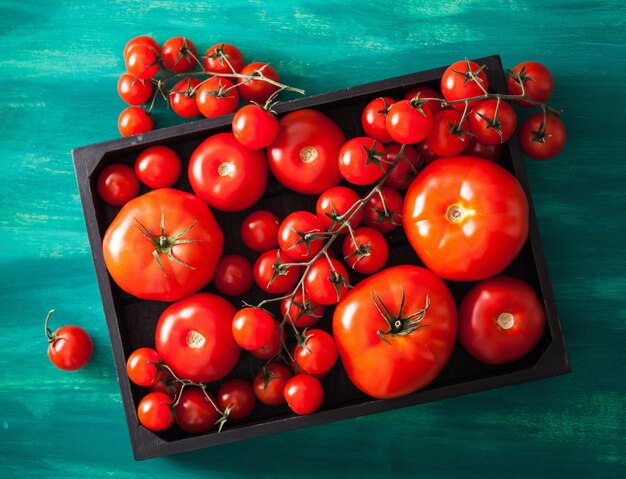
(505,320)
(456,213)
(308,154)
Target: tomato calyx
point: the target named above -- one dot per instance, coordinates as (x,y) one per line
(304,309)
(374,156)
(493,123)
(471,75)
(417,103)
(306,238)
(385,108)
(540,135)
(399,325)
(279,268)
(185,52)
(520,77)
(219,54)
(457,129)
(337,280)
(267,375)
(361,251)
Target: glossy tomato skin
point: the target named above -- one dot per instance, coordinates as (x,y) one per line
(141,40)
(537,79)
(442,140)
(194,337)
(259,231)
(142,367)
(226,174)
(158,166)
(213,100)
(304,155)
(271,349)
(117,184)
(71,348)
(142,61)
(252,327)
(128,253)
(405,171)
(298,315)
(233,276)
(408,123)
(374,119)
(425,92)
(501,319)
(291,231)
(481,121)
(551,144)
(179,54)
(155,411)
(488,152)
(327,281)
(132,90)
(255,127)
(375,255)
(337,201)
(269,384)
(264,270)
(237,395)
(257,90)
(456,86)
(304,394)
(374,211)
(403,363)
(194,412)
(183,98)
(466,217)
(362,161)
(215,62)
(134,120)
(318,354)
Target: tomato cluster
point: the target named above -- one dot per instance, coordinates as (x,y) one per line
(426,163)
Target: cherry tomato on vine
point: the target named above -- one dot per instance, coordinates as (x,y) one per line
(117,184)
(303,312)
(269,384)
(370,252)
(233,276)
(384,214)
(542,143)
(409,121)
(374,119)
(155,411)
(168,385)
(318,353)
(447,138)
(252,327)
(259,231)
(142,40)
(304,394)
(223,58)
(143,368)
(217,96)
(179,54)
(405,171)
(335,202)
(425,92)
(255,127)
(257,90)
(142,61)
(69,347)
(158,166)
(194,412)
(488,152)
(271,276)
(362,161)
(132,90)
(183,98)
(537,79)
(271,349)
(300,235)
(461,80)
(489,127)
(236,395)
(327,281)
(501,319)
(134,120)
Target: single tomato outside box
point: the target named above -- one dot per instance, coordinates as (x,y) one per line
(131,321)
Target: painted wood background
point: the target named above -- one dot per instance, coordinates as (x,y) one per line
(59,66)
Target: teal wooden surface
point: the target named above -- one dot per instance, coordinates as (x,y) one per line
(59,69)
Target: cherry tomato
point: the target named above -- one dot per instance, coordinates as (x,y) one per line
(194,412)
(271,276)
(501,319)
(216,96)
(271,349)
(384,210)
(491,127)
(488,152)
(466,217)
(335,202)
(139,40)
(155,412)
(409,121)
(374,119)
(226,174)
(303,312)
(134,120)
(179,54)
(258,90)
(69,347)
(461,80)
(542,143)
(269,384)
(117,184)
(233,276)
(142,61)
(259,231)
(327,281)
(447,138)
(158,166)
(255,127)
(362,161)
(132,90)
(223,58)
(318,353)
(304,155)
(405,171)
(425,92)
(425,153)
(253,327)
(168,385)
(143,367)
(236,395)
(300,235)
(194,337)
(369,254)
(304,394)
(537,80)
(183,98)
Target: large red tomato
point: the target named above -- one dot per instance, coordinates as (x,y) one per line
(163,245)
(194,337)
(466,217)
(304,155)
(395,331)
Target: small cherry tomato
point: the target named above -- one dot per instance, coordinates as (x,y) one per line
(406,170)
(134,120)
(253,328)
(255,127)
(183,98)
(374,119)
(143,367)
(179,54)
(369,253)
(132,90)
(117,184)
(257,90)
(194,412)
(362,161)
(425,153)
(142,61)
(233,276)
(237,396)
(303,312)
(158,166)
(304,394)
(69,347)
(155,411)
(425,92)
(318,353)
(300,235)
(492,122)
(142,40)
(271,274)
(327,281)
(461,80)
(488,152)
(168,385)
(223,58)
(447,138)
(384,210)
(259,231)
(537,80)
(541,139)
(335,202)
(409,121)
(269,384)
(216,96)
(272,347)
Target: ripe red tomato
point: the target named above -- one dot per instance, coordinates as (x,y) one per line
(258,90)
(374,119)
(335,202)
(318,353)
(168,385)
(259,231)
(488,152)
(425,92)
(223,58)
(158,166)
(542,143)
(155,411)
(447,138)
(303,312)
(253,327)
(304,155)
(395,331)
(272,276)
(489,127)
(142,39)
(179,54)
(409,121)
(134,120)
(425,152)
(537,80)
(69,347)
(117,184)
(194,338)
(233,276)
(304,394)
(461,80)
(362,161)
(384,210)
(269,384)
(146,250)
(255,127)
(271,349)
(300,235)
(327,281)
(183,98)
(226,174)
(216,96)
(194,412)
(132,90)
(405,171)
(370,252)
(142,61)
(237,396)
(501,319)
(466,217)
(143,368)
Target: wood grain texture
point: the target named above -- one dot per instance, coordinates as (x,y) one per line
(59,72)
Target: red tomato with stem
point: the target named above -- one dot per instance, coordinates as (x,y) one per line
(253,327)
(144,367)
(194,338)
(142,40)
(447,138)
(168,385)
(301,235)
(492,122)
(542,137)
(134,120)
(147,249)
(216,96)
(158,166)
(254,88)
(132,90)
(142,61)
(272,347)
(179,54)
(466,217)
(461,80)
(271,273)
(537,80)
(236,396)
(363,161)
(254,126)
(501,319)
(304,156)
(488,152)
(374,119)
(318,353)
(327,281)
(337,204)
(155,412)
(302,312)
(183,98)
(259,231)
(409,121)
(194,412)
(117,184)
(407,168)
(226,174)
(424,92)
(367,251)
(384,210)
(395,331)
(304,394)
(269,384)
(223,58)
(69,347)
(233,276)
